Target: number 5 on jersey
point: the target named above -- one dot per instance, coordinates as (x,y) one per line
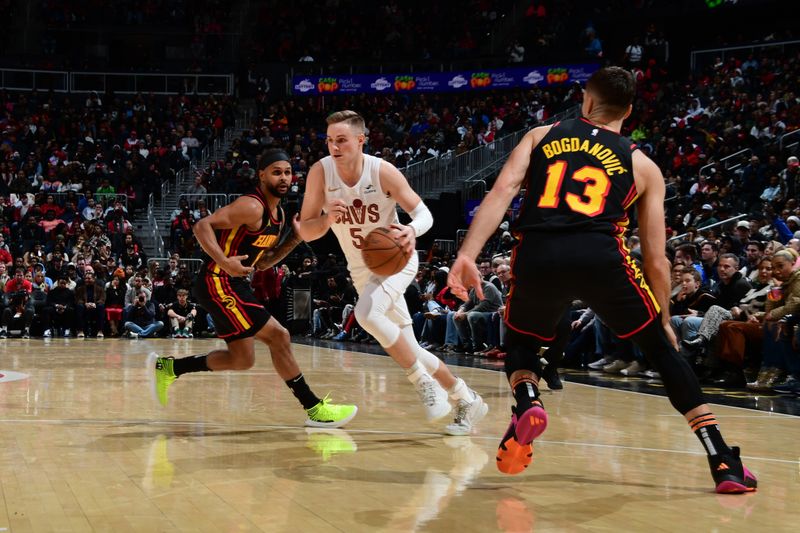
(358,239)
(593,199)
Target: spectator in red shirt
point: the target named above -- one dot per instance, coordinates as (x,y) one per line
(5,255)
(18,291)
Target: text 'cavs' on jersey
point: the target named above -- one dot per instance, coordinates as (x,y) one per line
(253,244)
(366,207)
(580,178)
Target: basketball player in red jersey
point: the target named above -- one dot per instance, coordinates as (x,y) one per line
(581,177)
(239,238)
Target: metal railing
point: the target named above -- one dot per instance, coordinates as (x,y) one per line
(213,201)
(192,265)
(475,185)
(105,199)
(26,80)
(704,170)
(461,234)
(782,142)
(60,198)
(132,83)
(62,81)
(445,245)
(109,198)
(710,226)
(437,174)
(724,53)
(153,226)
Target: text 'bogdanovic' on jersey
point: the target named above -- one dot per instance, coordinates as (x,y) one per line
(367,207)
(580,178)
(253,244)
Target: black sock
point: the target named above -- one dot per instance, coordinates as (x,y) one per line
(301,391)
(706,428)
(525,393)
(194,363)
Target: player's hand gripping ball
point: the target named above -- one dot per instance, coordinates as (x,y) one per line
(382,254)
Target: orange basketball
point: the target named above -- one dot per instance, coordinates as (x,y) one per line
(381,252)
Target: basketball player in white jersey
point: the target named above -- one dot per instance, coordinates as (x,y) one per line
(354,193)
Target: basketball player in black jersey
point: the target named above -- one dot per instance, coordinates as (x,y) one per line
(581,178)
(238,238)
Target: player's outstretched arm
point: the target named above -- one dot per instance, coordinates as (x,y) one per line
(245,211)
(316,217)
(464,274)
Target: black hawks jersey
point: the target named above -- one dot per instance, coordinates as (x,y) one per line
(253,244)
(580,178)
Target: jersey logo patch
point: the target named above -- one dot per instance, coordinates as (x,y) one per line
(369,189)
(333,189)
(229,302)
(265,241)
(594,132)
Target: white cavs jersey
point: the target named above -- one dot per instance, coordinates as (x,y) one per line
(367,207)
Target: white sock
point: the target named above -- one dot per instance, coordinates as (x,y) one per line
(416,371)
(460,391)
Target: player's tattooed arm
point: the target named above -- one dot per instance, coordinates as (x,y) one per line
(288,242)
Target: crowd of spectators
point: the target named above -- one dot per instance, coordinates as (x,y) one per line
(122,150)
(73,172)
(740,106)
(106,145)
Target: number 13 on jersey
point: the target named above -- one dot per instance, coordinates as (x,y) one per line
(593,199)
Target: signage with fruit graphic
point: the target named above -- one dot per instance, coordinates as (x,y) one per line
(557,75)
(436,82)
(328,85)
(404,83)
(480,79)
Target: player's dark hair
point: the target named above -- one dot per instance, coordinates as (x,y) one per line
(272,155)
(614,89)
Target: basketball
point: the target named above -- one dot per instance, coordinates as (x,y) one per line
(381,252)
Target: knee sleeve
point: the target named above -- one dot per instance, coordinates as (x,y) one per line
(426,358)
(371,313)
(680,382)
(522,353)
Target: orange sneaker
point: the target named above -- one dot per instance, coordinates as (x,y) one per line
(515,452)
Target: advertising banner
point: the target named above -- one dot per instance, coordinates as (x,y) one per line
(470,208)
(436,82)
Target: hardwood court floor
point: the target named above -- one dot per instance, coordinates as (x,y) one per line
(83,447)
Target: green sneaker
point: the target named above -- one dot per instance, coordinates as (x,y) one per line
(329,415)
(161,376)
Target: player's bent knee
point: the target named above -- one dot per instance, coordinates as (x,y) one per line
(242,361)
(377,324)
(362,314)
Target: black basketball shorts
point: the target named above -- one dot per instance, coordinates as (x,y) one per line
(550,271)
(233,306)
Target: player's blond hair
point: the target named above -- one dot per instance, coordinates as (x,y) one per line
(351,118)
